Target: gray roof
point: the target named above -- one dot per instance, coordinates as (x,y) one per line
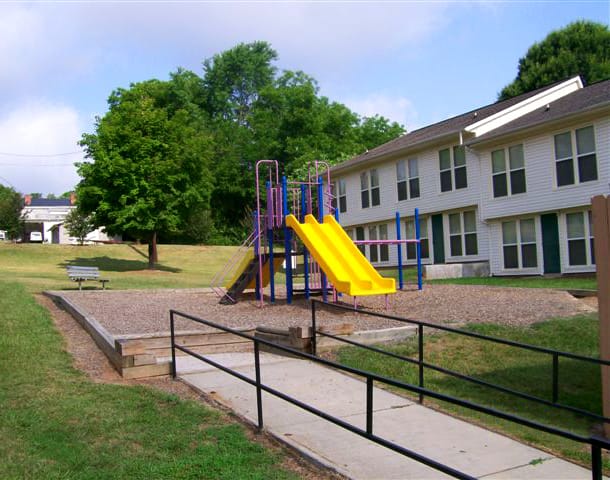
(588,98)
(49,202)
(436,131)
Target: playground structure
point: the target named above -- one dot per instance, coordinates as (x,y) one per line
(332,262)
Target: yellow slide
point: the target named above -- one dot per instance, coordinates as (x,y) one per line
(344,265)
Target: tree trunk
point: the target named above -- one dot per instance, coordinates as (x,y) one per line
(152,251)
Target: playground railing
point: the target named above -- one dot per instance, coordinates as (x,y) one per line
(422,364)
(596,443)
(220,278)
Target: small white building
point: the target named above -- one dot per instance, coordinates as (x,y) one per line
(507,186)
(46,216)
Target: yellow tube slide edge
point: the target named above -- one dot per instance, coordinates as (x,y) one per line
(339,258)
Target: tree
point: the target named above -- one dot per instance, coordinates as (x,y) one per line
(79,224)
(11,216)
(150,170)
(581,48)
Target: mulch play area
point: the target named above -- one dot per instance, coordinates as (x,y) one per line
(132,326)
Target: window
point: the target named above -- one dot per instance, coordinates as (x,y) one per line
(463,233)
(585,168)
(369,189)
(407,178)
(423,238)
(373,249)
(342,196)
(580,239)
(384,250)
(519,244)
(378,253)
(452,165)
(360,236)
(509,180)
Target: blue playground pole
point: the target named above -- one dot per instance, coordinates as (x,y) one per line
(305,252)
(270,243)
(321,220)
(256,240)
(399,248)
(287,246)
(419,273)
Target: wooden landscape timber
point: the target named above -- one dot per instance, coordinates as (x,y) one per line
(148,355)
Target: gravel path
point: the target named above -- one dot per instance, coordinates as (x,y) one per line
(138,312)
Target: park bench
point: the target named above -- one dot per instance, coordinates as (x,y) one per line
(82,274)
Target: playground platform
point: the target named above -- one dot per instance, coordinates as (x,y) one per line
(448,440)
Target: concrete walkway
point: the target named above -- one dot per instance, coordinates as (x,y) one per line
(458,444)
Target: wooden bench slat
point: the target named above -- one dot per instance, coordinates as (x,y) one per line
(81,274)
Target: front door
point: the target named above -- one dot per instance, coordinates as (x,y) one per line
(438,239)
(550,243)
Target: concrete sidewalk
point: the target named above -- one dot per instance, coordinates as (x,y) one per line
(458,444)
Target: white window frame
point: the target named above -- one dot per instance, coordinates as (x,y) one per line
(369,187)
(406,167)
(519,244)
(452,168)
(588,237)
(423,235)
(508,171)
(575,156)
(462,234)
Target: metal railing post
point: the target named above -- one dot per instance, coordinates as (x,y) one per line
(596,462)
(420,341)
(369,405)
(173,342)
(555,377)
(259,396)
(314,343)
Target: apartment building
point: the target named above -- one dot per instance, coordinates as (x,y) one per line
(506,186)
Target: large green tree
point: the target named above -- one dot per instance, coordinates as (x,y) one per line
(581,48)
(150,161)
(259,113)
(11,218)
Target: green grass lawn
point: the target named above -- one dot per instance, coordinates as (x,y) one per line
(55,423)
(580,282)
(42,267)
(529,372)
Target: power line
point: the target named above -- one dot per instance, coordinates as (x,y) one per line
(36,164)
(44,155)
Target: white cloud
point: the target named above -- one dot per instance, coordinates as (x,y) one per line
(40,129)
(398,109)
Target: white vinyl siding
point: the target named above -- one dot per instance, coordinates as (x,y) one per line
(542,194)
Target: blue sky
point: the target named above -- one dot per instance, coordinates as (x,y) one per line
(415,62)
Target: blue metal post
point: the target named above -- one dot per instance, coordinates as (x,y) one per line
(418,244)
(305,252)
(287,242)
(321,220)
(270,242)
(256,242)
(399,249)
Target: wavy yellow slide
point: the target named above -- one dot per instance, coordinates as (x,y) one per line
(344,265)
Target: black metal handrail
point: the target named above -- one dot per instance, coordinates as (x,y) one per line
(596,443)
(556,354)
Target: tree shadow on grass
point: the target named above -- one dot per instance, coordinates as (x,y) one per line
(108,264)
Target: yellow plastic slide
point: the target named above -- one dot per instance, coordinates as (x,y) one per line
(344,265)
